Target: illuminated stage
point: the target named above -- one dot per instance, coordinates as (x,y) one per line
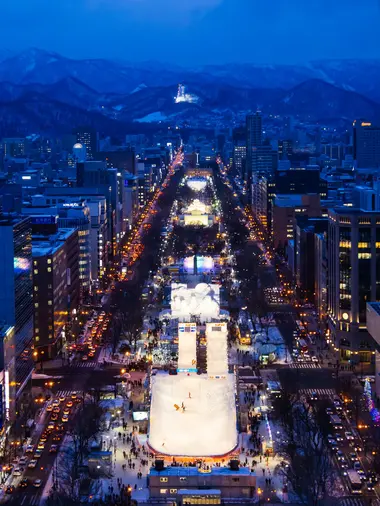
(204,264)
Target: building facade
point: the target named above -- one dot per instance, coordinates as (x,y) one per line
(16,301)
(56,290)
(353,280)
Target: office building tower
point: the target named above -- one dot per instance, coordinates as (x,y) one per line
(254,139)
(366,139)
(122,159)
(353,280)
(92,173)
(285,149)
(88,137)
(56,290)
(300,180)
(13,147)
(16,297)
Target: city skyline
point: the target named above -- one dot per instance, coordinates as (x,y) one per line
(194,33)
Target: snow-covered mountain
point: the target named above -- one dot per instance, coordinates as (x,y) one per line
(127,92)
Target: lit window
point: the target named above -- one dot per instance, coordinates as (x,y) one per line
(163,480)
(36,288)
(36,304)
(50,302)
(49,269)
(173,490)
(163,490)
(49,261)
(35,271)
(37,338)
(35,262)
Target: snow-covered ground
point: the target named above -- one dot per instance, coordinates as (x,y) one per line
(207,425)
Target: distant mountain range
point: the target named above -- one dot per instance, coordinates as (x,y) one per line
(46,92)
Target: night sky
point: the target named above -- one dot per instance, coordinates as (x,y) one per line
(192,32)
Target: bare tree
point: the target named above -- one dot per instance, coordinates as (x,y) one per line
(85,428)
(307,464)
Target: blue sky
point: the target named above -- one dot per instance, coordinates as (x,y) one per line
(192,32)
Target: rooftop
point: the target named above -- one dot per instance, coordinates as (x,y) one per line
(195,471)
(47,245)
(375,306)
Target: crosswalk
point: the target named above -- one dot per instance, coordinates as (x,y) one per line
(321,392)
(89,365)
(352,501)
(65,393)
(304,365)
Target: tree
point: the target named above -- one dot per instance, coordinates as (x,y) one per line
(308,468)
(85,427)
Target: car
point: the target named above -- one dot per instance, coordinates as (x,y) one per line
(370,486)
(57,437)
(313,396)
(49,407)
(37,454)
(37,483)
(54,417)
(356,446)
(357,466)
(343,464)
(17,471)
(41,445)
(23,461)
(66,411)
(43,437)
(84,358)
(329,411)
(340,455)
(59,427)
(51,426)
(24,483)
(353,457)
(337,404)
(32,464)
(56,409)
(373,477)
(338,437)
(314,359)
(10,489)
(53,449)
(55,402)
(65,418)
(29,449)
(69,404)
(349,436)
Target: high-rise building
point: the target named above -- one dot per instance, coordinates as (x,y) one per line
(122,159)
(285,149)
(56,291)
(88,137)
(254,139)
(366,139)
(13,147)
(353,280)
(16,295)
